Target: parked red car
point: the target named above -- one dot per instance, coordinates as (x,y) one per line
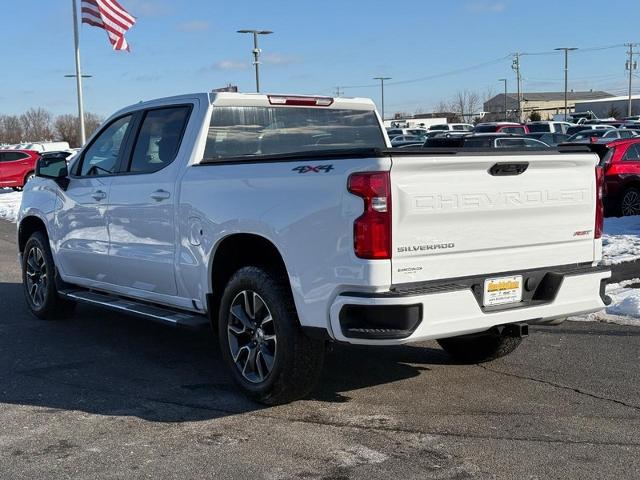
(621,162)
(17,167)
(501,127)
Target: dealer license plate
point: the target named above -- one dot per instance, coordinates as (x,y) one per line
(501,290)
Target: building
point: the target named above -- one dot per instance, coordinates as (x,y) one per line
(547,104)
(616,107)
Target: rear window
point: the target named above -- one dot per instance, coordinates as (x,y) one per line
(254,131)
(439,127)
(485,128)
(538,127)
(576,129)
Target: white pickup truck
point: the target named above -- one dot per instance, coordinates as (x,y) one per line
(286,222)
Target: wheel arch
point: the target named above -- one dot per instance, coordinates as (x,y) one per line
(28,226)
(235,251)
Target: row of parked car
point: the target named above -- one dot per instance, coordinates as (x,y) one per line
(18,166)
(548,133)
(616,143)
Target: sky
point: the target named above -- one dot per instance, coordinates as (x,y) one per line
(431,49)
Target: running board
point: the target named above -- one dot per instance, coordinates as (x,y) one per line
(155,313)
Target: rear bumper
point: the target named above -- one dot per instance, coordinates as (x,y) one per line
(453,308)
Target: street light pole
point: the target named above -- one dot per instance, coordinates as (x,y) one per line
(566,76)
(382,79)
(505,96)
(256,52)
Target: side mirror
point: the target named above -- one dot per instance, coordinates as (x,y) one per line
(54,168)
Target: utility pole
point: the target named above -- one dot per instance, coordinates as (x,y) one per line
(256,52)
(566,76)
(382,79)
(337,94)
(631,65)
(505,96)
(515,65)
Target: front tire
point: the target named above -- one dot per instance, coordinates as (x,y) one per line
(630,202)
(261,341)
(39,281)
(480,347)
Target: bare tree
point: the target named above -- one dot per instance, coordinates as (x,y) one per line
(67,127)
(465,104)
(36,123)
(11,129)
(442,106)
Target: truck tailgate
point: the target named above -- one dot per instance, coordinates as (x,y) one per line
(459,215)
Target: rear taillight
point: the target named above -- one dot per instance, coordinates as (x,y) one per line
(599,203)
(372,229)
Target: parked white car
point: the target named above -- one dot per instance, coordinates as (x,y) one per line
(286,222)
(460,127)
(549,127)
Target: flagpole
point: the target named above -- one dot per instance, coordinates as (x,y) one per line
(78,74)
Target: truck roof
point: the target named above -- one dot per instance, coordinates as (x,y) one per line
(232,99)
(279,99)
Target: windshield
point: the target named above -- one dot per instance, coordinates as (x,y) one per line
(251,131)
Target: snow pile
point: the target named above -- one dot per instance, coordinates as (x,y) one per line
(621,240)
(9,204)
(625,305)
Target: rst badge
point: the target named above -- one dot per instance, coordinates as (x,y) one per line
(313,168)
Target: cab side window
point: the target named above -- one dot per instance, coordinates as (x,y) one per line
(101,158)
(159,139)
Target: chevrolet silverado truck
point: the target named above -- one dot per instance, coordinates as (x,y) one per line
(286,222)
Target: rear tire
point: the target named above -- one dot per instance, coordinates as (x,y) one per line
(630,202)
(480,347)
(39,281)
(261,341)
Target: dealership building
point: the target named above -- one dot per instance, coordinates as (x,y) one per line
(616,107)
(547,104)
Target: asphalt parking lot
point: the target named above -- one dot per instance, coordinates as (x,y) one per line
(109,396)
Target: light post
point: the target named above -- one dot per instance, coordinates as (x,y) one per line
(256,52)
(505,97)
(566,75)
(83,136)
(382,79)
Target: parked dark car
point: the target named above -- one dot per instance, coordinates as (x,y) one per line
(485,140)
(551,139)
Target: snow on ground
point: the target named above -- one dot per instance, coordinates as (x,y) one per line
(9,204)
(621,240)
(624,308)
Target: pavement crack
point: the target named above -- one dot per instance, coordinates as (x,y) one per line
(560,386)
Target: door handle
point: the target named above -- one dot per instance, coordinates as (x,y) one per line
(99,195)
(159,195)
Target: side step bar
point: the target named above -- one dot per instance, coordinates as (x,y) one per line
(155,313)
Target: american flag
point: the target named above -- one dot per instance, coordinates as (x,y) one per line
(110,16)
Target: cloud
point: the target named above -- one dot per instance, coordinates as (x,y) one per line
(147,8)
(230,65)
(193,26)
(279,59)
(485,7)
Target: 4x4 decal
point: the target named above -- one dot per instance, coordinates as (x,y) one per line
(313,169)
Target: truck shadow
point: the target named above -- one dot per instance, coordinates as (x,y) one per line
(109,364)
